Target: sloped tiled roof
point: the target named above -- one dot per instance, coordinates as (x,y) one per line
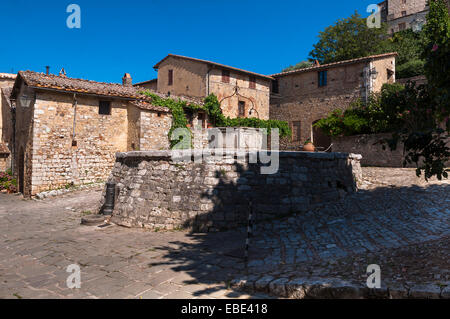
(267,77)
(7,76)
(336,64)
(4,149)
(71,85)
(41,80)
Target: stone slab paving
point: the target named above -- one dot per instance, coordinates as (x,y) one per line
(396,221)
(39,239)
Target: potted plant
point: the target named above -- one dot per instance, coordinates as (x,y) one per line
(309,146)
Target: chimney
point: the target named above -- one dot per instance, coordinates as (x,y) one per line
(47,69)
(127,80)
(316,63)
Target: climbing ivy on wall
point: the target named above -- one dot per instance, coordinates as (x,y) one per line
(212,108)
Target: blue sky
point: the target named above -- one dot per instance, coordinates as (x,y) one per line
(118,36)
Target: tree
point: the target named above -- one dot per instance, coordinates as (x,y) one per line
(348,39)
(300,65)
(425,142)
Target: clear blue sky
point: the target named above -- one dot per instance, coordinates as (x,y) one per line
(119,36)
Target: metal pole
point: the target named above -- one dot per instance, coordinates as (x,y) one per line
(249,233)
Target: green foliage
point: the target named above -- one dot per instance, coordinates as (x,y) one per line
(381,113)
(8,182)
(348,39)
(212,108)
(300,65)
(410,69)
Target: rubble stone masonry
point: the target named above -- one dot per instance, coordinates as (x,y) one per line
(56,161)
(153,191)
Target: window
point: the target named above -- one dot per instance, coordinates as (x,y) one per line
(241,109)
(322,78)
(403,13)
(252,84)
(275,87)
(104,108)
(296,132)
(170,77)
(403,1)
(402,26)
(225,76)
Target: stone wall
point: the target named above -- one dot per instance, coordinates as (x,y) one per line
(56,162)
(153,191)
(154,130)
(368,145)
(371,150)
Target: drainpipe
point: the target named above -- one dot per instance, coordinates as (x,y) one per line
(13,146)
(207,80)
(75,103)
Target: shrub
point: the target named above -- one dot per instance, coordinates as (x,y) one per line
(409,69)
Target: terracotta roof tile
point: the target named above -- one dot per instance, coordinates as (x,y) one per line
(7,76)
(336,64)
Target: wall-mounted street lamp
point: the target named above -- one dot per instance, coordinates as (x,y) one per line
(26,99)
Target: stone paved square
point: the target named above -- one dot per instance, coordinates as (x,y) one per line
(397,221)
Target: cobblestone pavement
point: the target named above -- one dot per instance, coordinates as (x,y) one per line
(395,221)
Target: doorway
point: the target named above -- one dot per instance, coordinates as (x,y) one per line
(320,139)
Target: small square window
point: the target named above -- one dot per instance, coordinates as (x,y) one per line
(403,13)
(104,108)
(252,84)
(225,76)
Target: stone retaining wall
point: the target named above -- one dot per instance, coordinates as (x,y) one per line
(153,191)
(369,146)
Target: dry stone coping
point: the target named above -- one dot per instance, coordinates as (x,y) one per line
(333,288)
(285,154)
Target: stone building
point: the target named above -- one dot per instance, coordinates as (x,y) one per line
(6,83)
(242,93)
(302,97)
(404,14)
(67,130)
